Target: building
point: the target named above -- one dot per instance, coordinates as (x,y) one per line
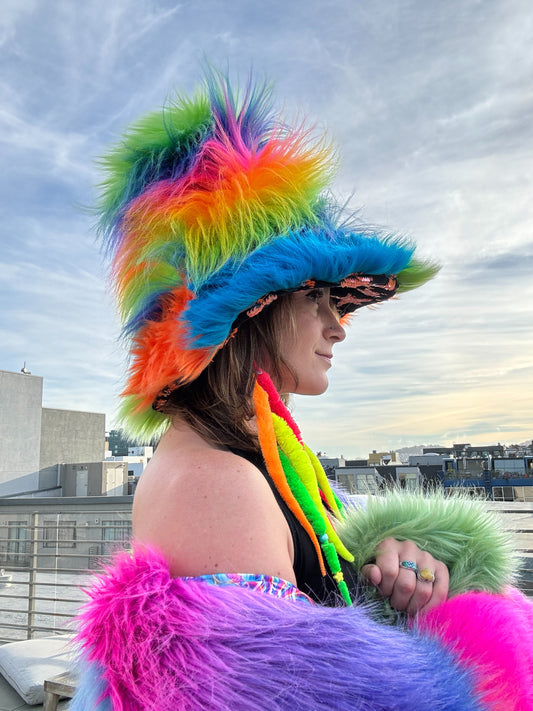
(373,479)
(483,471)
(108,478)
(119,444)
(380,458)
(20,432)
(331,464)
(135,461)
(35,441)
(62,533)
(68,436)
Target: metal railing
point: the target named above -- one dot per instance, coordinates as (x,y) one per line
(48,550)
(518,517)
(50,554)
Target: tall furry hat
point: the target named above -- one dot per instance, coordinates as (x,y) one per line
(212,207)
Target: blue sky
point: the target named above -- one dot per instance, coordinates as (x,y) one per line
(431,104)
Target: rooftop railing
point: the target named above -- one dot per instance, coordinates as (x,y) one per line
(49,549)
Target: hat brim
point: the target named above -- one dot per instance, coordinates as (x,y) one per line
(361,268)
(352,293)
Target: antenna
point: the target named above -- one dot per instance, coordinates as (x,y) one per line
(25,370)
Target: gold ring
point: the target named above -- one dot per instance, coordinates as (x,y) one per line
(425,575)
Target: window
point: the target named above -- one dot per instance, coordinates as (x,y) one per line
(503,493)
(116,531)
(474,491)
(59,534)
(17,535)
(366,484)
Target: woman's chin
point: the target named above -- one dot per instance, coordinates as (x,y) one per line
(317,388)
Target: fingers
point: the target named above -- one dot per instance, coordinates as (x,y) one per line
(388,557)
(406,589)
(424,591)
(439,587)
(373,574)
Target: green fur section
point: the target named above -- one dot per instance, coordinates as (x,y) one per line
(416,274)
(141,426)
(156,143)
(456,530)
(157,277)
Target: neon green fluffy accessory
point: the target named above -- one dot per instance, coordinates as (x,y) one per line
(457,530)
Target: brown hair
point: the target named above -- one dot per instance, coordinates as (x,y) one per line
(218,404)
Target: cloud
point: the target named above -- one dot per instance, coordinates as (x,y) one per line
(431,106)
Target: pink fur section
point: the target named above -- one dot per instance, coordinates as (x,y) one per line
(492,635)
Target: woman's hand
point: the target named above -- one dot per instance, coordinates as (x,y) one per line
(404,586)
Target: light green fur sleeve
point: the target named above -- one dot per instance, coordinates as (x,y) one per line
(457,530)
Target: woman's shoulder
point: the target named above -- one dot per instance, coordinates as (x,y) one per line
(195,467)
(210,510)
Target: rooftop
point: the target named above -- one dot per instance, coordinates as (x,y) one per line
(49,547)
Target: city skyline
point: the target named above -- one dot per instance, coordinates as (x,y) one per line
(430,106)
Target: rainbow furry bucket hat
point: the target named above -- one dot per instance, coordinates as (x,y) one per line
(212,207)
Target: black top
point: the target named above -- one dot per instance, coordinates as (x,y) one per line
(309,578)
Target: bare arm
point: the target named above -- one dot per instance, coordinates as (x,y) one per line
(212,513)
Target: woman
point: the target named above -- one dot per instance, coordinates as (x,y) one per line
(198,467)
(234,274)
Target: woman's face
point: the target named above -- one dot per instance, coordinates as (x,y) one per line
(307,347)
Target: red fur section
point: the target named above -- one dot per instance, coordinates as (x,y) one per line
(276,404)
(492,635)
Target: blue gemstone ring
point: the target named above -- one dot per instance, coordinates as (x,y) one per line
(409,565)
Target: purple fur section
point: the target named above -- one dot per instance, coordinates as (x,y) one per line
(176,645)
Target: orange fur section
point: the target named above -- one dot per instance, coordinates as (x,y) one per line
(268,177)
(267,440)
(160,353)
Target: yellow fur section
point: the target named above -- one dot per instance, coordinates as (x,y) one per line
(323,483)
(299,459)
(243,202)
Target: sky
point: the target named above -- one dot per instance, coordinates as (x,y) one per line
(431,105)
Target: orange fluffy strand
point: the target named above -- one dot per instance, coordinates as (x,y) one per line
(269,448)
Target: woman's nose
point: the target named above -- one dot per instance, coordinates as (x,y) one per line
(336,330)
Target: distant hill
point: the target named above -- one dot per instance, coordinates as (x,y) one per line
(416,448)
(405,452)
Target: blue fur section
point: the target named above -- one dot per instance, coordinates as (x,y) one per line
(91,690)
(285,263)
(170,644)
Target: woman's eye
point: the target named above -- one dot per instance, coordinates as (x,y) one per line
(315,295)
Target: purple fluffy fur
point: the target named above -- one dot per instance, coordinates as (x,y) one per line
(170,644)
(248,119)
